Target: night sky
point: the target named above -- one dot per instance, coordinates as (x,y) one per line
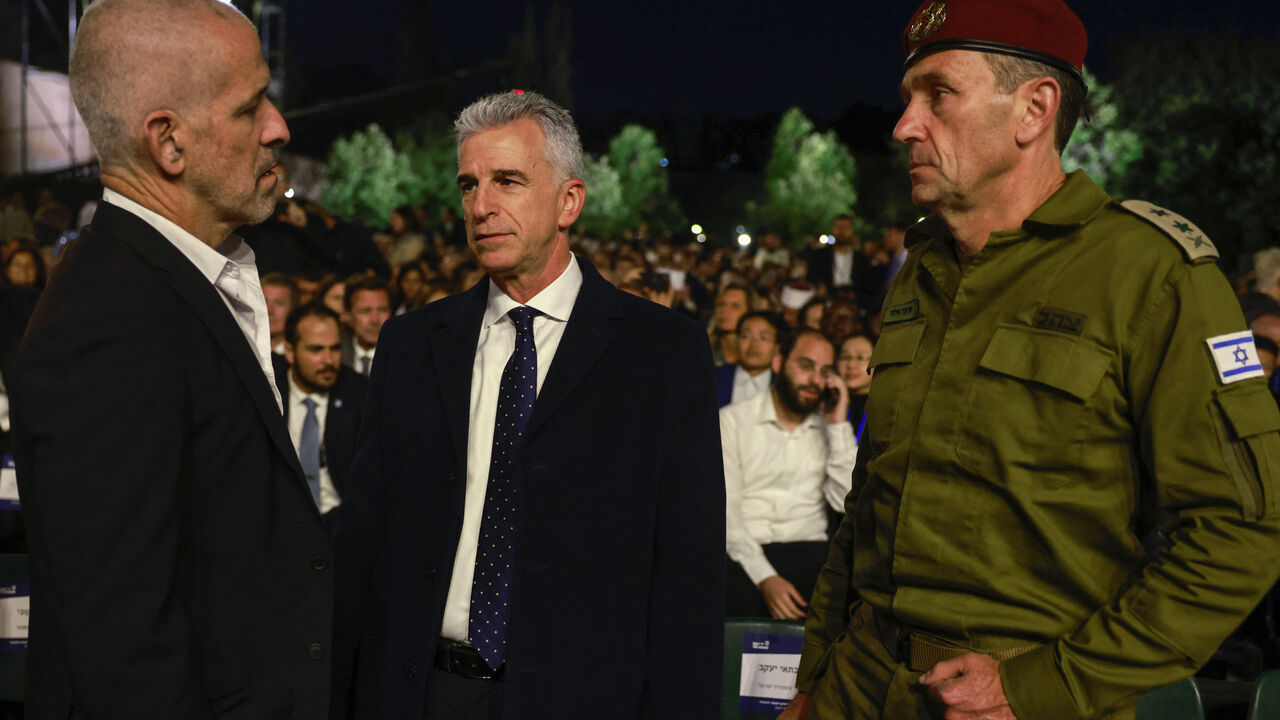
(737,59)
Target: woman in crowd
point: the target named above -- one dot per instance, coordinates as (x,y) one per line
(853,364)
(734,300)
(332,292)
(25,268)
(409,285)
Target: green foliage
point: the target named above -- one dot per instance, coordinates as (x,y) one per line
(1104,147)
(809,179)
(1205,109)
(432,151)
(366,178)
(629,186)
(604,213)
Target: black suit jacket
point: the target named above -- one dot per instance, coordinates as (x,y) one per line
(868,279)
(178,565)
(618,604)
(341,420)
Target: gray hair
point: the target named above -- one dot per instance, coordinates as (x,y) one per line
(563,148)
(1011,71)
(131,57)
(1266,269)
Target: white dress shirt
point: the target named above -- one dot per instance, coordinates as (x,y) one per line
(746,387)
(497,342)
(776,480)
(841,267)
(231,269)
(361,354)
(297,415)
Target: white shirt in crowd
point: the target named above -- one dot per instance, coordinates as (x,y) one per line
(777,481)
(745,386)
(297,415)
(364,358)
(497,342)
(842,267)
(231,269)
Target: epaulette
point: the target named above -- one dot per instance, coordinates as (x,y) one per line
(1190,238)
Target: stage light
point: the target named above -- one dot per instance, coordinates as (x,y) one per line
(696,229)
(702,238)
(663,162)
(289,193)
(744,239)
(741,229)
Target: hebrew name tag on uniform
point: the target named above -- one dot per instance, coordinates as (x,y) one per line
(769,664)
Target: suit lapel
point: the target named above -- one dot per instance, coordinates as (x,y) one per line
(592,327)
(453,349)
(204,299)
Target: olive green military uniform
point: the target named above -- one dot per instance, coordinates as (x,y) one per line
(1035,415)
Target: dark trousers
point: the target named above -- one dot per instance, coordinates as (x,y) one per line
(797,562)
(453,697)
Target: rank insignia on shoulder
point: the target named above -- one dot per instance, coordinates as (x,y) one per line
(1235,357)
(1190,238)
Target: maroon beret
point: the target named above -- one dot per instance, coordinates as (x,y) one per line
(1042,30)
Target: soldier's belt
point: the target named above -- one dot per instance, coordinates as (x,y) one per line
(918,651)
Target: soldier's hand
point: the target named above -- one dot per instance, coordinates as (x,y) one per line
(969,688)
(799,707)
(782,598)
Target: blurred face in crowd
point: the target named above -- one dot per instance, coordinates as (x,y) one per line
(293,214)
(813,317)
(369,310)
(317,354)
(855,356)
(232,168)
(757,344)
(840,320)
(307,289)
(279,305)
(333,297)
(842,231)
(410,283)
(731,305)
(1267,360)
(800,380)
(22,269)
(1268,326)
(513,207)
(958,129)
(396,224)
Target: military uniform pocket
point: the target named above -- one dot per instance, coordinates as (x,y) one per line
(1029,394)
(891,360)
(1246,420)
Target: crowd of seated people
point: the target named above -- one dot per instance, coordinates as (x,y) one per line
(772,312)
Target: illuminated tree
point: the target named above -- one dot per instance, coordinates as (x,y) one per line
(808,181)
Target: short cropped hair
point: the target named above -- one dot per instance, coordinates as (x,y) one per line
(779,327)
(364,283)
(279,279)
(790,339)
(127,60)
(563,147)
(298,314)
(1011,71)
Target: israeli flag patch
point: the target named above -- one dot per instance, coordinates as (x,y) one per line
(1235,357)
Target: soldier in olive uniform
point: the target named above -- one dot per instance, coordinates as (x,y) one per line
(1062,379)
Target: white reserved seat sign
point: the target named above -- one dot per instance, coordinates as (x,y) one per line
(769,663)
(8,484)
(15,614)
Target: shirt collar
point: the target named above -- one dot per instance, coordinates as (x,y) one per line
(211,263)
(555,301)
(767,413)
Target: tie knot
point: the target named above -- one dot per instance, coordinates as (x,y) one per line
(311,404)
(522,318)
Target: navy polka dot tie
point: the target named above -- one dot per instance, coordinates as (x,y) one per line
(491,585)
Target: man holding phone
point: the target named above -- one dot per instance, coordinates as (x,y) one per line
(788,453)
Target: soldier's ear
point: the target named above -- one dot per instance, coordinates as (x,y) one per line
(166,136)
(1037,104)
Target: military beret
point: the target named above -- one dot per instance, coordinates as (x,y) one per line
(1042,30)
